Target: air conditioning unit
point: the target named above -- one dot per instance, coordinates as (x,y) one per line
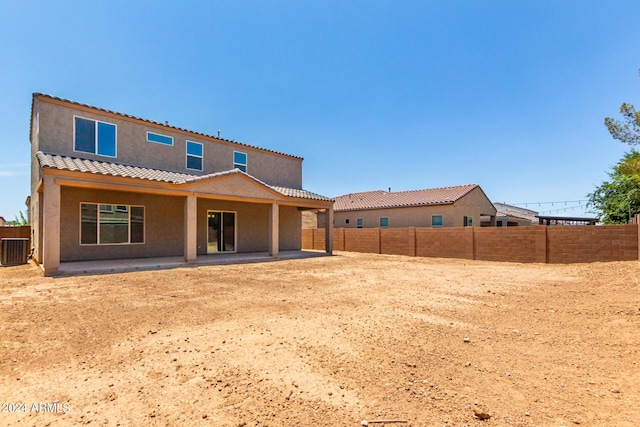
(14,251)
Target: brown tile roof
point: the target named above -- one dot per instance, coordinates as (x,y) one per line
(383,199)
(75,164)
(43,95)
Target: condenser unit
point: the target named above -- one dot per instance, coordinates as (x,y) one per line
(14,251)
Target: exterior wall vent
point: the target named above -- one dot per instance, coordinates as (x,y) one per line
(14,251)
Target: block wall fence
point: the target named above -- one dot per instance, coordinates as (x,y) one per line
(541,244)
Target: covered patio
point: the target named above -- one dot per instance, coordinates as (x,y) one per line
(180,218)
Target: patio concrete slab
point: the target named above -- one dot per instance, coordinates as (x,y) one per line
(159,263)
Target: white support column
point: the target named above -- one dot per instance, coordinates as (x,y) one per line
(328,230)
(274,229)
(51,229)
(190,228)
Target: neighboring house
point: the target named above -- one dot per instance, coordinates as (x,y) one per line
(107,185)
(509,216)
(565,220)
(456,206)
(2,221)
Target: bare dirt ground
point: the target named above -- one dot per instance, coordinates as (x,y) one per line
(324,341)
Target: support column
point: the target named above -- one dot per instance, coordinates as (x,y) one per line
(274,229)
(51,230)
(190,228)
(328,230)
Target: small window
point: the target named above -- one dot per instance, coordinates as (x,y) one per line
(240,161)
(359,223)
(346,221)
(468,221)
(436,220)
(384,222)
(93,136)
(194,155)
(160,139)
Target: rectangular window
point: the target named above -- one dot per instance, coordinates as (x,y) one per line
(240,161)
(346,221)
(384,222)
(94,136)
(160,139)
(468,221)
(359,223)
(436,220)
(194,155)
(103,224)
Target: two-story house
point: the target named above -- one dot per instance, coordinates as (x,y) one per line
(107,185)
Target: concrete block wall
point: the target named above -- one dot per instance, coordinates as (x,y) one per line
(450,242)
(362,240)
(514,244)
(21,232)
(398,241)
(319,239)
(307,238)
(540,244)
(338,239)
(590,244)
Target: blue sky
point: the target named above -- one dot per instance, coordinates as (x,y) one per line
(510,95)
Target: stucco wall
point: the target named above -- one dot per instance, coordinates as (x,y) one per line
(163,223)
(252,224)
(164,228)
(474,204)
(290,228)
(56,136)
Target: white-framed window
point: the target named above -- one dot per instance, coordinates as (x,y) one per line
(107,224)
(240,161)
(467,221)
(436,220)
(384,222)
(94,136)
(194,155)
(359,223)
(159,139)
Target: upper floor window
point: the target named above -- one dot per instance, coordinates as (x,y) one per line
(384,222)
(436,220)
(194,155)
(359,223)
(468,221)
(240,161)
(94,136)
(160,139)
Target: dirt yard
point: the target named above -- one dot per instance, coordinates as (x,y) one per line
(347,340)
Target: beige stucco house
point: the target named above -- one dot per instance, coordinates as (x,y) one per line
(107,185)
(456,206)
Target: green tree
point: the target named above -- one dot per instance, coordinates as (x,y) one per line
(19,220)
(627,130)
(615,200)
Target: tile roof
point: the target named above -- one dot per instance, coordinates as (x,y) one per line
(383,199)
(75,164)
(43,95)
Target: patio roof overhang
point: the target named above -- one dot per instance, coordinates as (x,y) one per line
(235,185)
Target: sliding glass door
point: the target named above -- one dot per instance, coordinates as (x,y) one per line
(221,232)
